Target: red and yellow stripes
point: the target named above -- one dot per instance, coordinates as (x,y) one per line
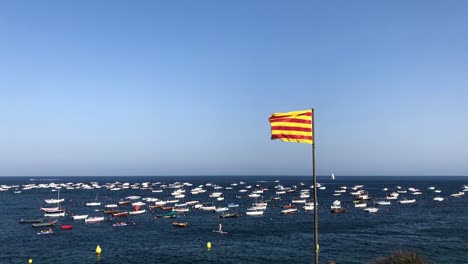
(292,126)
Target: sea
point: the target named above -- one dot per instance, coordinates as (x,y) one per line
(437,230)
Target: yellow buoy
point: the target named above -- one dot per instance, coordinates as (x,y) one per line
(30,261)
(208,245)
(98,250)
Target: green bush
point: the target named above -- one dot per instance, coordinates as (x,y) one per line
(402,257)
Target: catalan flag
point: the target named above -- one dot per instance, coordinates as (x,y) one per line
(292,126)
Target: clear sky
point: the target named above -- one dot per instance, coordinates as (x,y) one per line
(186,87)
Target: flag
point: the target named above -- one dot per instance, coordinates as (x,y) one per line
(292,126)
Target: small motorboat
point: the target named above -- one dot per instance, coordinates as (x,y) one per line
(124,202)
(168,215)
(289,206)
(79,217)
(137,212)
(407,201)
(371,209)
(46,232)
(289,211)
(180,224)
(254,213)
(95,219)
(119,224)
(228,215)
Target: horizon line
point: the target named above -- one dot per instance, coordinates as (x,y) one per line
(232,175)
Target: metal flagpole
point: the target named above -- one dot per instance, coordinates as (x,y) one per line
(316,245)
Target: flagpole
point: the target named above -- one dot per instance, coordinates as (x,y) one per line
(316,245)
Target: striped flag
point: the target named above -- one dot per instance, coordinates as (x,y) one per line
(292,126)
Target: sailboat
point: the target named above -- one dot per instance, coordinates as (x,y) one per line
(333,176)
(255,210)
(95,203)
(55,213)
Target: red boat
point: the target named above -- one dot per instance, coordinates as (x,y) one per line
(339,210)
(66,227)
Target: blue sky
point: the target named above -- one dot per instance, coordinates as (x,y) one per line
(186,87)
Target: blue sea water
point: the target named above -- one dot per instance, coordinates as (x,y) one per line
(439,230)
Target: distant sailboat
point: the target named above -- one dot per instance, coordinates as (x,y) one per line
(333,176)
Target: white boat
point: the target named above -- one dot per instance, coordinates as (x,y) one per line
(221,209)
(254,208)
(254,195)
(95,219)
(52,201)
(437,191)
(439,199)
(138,204)
(137,212)
(360,205)
(336,205)
(308,207)
(384,202)
(208,208)
(58,200)
(95,203)
(289,211)
(192,202)
(408,201)
(58,213)
(457,194)
(79,217)
(215,195)
(133,197)
(49,209)
(110,206)
(371,209)
(298,201)
(254,213)
(180,209)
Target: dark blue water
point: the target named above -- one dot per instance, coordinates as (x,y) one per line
(437,229)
